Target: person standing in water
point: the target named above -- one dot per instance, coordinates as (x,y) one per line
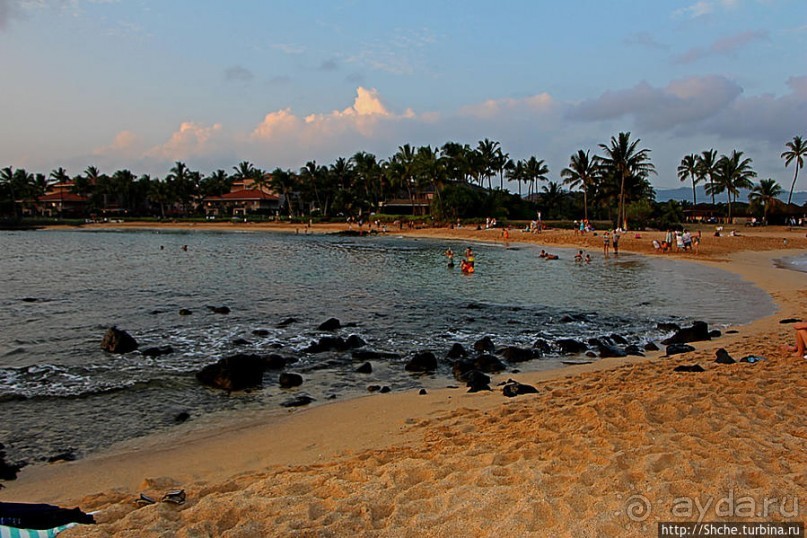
(469,256)
(450,255)
(606,243)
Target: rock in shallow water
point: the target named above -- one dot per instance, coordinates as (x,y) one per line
(118,341)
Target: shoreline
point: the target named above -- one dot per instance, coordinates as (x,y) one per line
(327,439)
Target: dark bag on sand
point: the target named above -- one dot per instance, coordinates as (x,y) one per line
(40,516)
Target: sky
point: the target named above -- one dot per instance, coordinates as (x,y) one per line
(140,84)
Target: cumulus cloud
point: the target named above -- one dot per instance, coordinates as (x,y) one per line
(726,46)
(679,103)
(493,108)
(361,117)
(192,139)
(125,143)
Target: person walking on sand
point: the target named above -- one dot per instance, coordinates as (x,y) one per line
(606,243)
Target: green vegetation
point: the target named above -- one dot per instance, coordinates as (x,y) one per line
(454,181)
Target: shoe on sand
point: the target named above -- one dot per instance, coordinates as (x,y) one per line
(176,496)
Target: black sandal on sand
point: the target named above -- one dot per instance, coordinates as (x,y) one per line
(176,496)
(144,500)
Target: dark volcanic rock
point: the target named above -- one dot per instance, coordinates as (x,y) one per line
(298,401)
(182,416)
(423,392)
(714,333)
(618,339)
(634,350)
(365,368)
(698,332)
(29,299)
(353,341)
(286,322)
(63,456)
(424,361)
(520,354)
(651,346)
(330,325)
(675,349)
(385,389)
(668,327)
(260,332)
(484,345)
(484,363)
(457,351)
(185,312)
(786,320)
(157,351)
(236,372)
(288,380)
(689,368)
(476,381)
(542,345)
(569,346)
(723,357)
(219,309)
(118,341)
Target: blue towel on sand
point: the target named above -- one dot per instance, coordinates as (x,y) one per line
(14,532)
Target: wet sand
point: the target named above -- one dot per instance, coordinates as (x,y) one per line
(606,449)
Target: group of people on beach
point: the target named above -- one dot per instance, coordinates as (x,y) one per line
(682,241)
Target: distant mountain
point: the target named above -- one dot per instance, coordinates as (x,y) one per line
(685,194)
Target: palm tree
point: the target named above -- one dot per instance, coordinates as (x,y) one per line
(734,173)
(515,172)
(797,149)
(581,172)
(403,170)
(488,152)
(535,169)
(689,169)
(766,194)
(707,165)
(284,182)
(457,160)
(60,176)
(626,163)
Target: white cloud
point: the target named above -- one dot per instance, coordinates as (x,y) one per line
(125,144)
(361,117)
(191,140)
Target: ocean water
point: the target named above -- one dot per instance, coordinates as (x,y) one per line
(794,263)
(61,290)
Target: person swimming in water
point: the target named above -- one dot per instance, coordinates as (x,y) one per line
(450,255)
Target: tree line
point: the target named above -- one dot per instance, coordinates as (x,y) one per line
(463,182)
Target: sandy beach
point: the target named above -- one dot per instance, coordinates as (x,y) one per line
(605,449)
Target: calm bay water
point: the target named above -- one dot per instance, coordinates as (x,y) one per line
(61,290)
